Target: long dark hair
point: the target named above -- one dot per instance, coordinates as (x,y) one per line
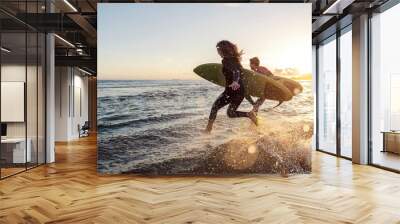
(229,49)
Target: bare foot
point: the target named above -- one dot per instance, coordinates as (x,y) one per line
(253,117)
(209,126)
(255,109)
(284,172)
(207,130)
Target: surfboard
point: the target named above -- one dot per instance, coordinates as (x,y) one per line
(277,88)
(294,86)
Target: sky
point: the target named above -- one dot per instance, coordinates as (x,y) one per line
(150,41)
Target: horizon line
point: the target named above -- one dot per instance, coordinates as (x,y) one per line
(167,79)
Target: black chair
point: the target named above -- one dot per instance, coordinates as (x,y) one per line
(84,130)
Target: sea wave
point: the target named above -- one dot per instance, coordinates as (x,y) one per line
(158,130)
(120,84)
(141,96)
(107,122)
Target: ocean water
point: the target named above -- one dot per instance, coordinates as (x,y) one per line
(156,127)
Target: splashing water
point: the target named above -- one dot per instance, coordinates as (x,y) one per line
(155,127)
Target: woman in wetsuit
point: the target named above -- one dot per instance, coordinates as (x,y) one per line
(234,88)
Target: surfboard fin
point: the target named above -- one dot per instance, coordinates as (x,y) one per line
(280,102)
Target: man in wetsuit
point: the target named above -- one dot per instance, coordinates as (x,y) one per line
(255,66)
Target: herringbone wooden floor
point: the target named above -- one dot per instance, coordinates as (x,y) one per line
(70,191)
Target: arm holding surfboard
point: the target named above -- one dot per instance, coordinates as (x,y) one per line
(257,85)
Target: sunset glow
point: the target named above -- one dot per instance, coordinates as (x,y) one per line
(166,41)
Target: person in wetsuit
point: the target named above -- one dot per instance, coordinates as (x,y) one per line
(255,66)
(234,88)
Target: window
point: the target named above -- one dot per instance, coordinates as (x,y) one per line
(327,96)
(385,89)
(346,93)
(22,88)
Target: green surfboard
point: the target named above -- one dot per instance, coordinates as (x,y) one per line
(274,88)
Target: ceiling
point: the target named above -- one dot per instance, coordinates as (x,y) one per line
(75,22)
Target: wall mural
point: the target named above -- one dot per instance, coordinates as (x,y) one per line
(204,89)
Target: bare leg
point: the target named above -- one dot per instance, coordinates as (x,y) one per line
(258,103)
(248,98)
(209,126)
(234,105)
(233,112)
(220,102)
(284,171)
(253,117)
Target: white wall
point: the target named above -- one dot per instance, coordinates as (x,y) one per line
(62,82)
(16,73)
(33,126)
(80,109)
(71,87)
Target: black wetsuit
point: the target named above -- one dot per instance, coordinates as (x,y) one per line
(232,71)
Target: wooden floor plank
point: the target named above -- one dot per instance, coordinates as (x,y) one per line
(71,191)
